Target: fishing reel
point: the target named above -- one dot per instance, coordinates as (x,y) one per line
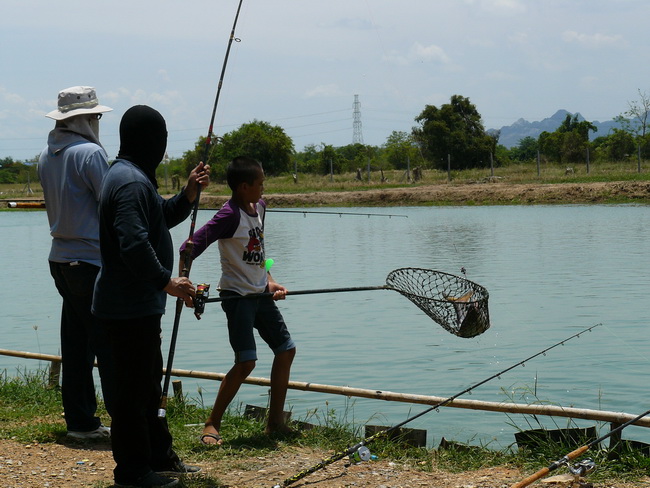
(579,471)
(202,294)
(360,455)
(582,468)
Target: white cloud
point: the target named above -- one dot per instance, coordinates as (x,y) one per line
(418,53)
(593,40)
(164,75)
(9,97)
(331,90)
(434,53)
(500,6)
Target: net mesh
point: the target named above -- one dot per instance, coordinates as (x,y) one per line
(460,306)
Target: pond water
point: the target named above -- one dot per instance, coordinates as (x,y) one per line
(551,272)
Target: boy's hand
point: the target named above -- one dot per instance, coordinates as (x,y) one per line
(181,288)
(279,291)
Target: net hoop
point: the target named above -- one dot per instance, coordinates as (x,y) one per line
(459,305)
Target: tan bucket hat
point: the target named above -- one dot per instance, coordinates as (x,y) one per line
(77,100)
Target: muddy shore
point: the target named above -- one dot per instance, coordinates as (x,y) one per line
(465,194)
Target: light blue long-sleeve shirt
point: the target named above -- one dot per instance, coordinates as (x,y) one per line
(71,170)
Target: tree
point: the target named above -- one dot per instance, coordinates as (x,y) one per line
(617,146)
(12,171)
(352,156)
(329,160)
(635,119)
(569,142)
(456,129)
(525,150)
(267,143)
(399,148)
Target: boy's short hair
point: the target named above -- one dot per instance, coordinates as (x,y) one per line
(242,169)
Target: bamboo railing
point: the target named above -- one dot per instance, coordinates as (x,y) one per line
(614,418)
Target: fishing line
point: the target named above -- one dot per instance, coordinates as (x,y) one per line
(361,451)
(187,256)
(641,356)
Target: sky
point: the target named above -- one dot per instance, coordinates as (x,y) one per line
(298,64)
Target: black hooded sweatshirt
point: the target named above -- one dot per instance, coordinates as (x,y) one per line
(134,221)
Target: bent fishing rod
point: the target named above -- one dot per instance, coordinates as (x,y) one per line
(187,255)
(351,451)
(576,453)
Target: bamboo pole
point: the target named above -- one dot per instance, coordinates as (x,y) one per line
(515,408)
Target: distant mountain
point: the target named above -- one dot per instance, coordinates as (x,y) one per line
(512,134)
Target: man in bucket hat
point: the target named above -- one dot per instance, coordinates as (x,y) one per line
(71,169)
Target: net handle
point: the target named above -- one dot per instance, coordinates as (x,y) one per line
(302,292)
(386,286)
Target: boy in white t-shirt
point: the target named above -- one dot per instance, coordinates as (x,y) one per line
(239,229)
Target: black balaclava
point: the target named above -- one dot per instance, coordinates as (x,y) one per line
(143,139)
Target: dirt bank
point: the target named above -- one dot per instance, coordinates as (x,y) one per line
(37,465)
(466,194)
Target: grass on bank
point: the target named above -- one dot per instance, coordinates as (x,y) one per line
(549,173)
(30,411)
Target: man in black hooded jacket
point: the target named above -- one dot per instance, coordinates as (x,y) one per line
(131,291)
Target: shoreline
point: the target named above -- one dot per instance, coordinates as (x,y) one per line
(620,192)
(444,194)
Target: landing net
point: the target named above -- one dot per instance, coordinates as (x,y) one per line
(459,305)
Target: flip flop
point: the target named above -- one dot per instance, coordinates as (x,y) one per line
(216,437)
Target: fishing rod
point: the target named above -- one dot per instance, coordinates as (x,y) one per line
(359,451)
(187,255)
(574,454)
(305,212)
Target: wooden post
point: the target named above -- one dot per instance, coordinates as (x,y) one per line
(615,443)
(408,168)
(412,437)
(55,374)
(177,386)
(448,167)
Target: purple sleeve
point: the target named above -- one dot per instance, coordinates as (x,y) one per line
(222,226)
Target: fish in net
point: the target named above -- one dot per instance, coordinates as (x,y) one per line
(459,305)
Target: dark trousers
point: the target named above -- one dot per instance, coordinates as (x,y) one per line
(82,339)
(141,441)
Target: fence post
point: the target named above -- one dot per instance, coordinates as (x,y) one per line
(615,440)
(177,386)
(448,167)
(55,374)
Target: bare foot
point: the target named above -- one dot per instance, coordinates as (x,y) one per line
(210,436)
